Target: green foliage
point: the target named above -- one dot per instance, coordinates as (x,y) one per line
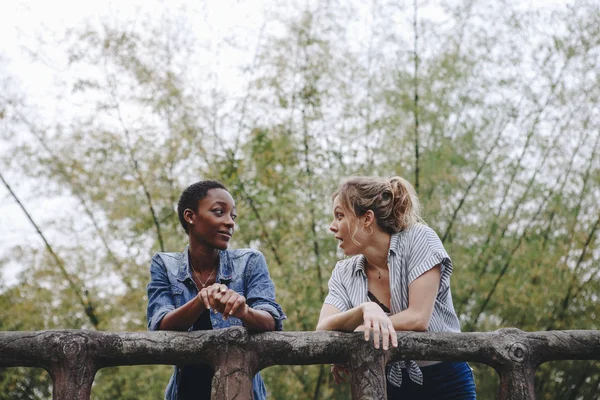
(508,172)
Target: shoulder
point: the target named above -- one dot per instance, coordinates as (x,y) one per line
(415,240)
(171,261)
(420,229)
(240,254)
(169,256)
(419,233)
(249,260)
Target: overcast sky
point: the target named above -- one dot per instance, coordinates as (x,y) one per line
(23,23)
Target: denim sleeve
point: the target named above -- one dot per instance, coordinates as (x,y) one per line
(160,299)
(260,290)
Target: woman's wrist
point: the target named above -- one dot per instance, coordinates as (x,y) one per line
(246,313)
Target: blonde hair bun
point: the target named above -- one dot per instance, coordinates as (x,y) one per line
(394,201)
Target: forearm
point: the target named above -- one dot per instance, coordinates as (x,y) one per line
(409,320)
(183,317)
(346,321)
(258,320)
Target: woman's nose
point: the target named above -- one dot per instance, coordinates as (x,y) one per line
(333,227)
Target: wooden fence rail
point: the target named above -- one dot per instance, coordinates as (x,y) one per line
(72,357)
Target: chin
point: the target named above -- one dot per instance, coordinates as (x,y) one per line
(221,245)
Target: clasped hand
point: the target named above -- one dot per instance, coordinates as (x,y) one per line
(224,300)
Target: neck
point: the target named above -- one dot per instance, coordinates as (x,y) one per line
(203,257)
(376,251)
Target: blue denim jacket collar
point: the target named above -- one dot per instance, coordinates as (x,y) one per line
(225,267)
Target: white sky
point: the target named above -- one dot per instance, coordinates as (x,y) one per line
(21,22)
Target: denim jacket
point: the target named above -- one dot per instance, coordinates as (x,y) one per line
(243,270)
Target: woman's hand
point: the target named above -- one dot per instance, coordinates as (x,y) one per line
(224,300)
(340,373)
(376,320)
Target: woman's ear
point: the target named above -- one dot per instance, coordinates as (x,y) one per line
(368,218)
(188,215)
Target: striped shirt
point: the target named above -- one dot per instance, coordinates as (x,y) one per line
(412,252)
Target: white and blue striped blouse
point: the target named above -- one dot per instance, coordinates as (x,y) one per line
(413,252)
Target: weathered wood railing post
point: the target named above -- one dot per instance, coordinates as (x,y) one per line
(517,365)
(73,368)
(367,378)
(235,365)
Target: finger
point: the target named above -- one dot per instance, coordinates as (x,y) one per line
(236,306)
(342,372)
(204,298)
(231,299)
(336,375)
(385,336)
(218,295)
(212,291)
(393,335)
(225,298)
(376,331)
(367,329)
(223,288)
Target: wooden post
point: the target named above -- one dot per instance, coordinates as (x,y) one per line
(235,366)
(73,370)
(367,372)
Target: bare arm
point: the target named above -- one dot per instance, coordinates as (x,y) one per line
(180,319)
(368,314)
(422,293)
(333,319)
(258,320)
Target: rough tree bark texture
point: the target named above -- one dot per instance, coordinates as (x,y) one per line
(72,357)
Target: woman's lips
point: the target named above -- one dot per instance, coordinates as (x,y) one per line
(226,235)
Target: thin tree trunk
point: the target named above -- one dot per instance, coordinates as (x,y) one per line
(471,184)
(77,190)
(416,92)
(508,263)
(84,299)
(568,297)
(518,167)
(134,162)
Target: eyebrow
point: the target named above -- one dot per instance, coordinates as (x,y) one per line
(222,203)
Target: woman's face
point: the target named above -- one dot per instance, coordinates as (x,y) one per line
(214,222)
(344,228)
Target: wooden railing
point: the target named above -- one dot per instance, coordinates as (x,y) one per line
(72,357)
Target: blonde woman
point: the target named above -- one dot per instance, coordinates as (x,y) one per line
(397,278)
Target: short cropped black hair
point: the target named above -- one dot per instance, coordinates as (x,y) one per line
(192,195)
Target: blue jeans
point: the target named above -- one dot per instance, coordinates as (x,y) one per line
(443,381)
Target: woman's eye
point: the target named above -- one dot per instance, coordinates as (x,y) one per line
(338,216)
(233,216)
(218,211)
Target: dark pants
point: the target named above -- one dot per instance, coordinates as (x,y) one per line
(443,381)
